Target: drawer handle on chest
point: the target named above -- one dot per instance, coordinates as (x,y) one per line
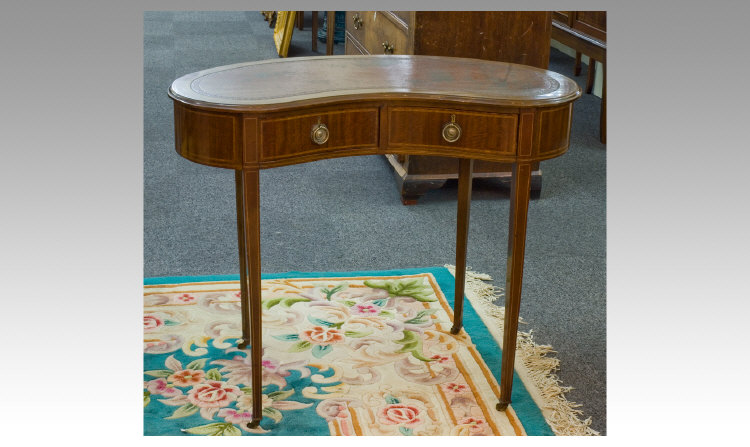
(357,21)
(452,131)
(387,48)
(319,133)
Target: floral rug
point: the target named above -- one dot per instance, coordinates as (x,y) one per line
(351,354)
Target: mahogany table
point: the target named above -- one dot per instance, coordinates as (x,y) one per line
(259,115)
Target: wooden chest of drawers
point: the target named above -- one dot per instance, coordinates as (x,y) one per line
(517,37)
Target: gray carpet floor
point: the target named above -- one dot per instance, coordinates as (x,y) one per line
(346,214)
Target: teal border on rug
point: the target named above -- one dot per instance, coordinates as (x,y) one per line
(526,409)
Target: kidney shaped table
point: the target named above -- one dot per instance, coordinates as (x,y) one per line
(259,115)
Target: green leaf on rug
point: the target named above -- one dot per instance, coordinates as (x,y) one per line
(280,395)
(273,414)
(159,372)
(247,390)
(391,400)
(338,288)
(419,319)
(406,431)
(303,345)
(216,429)
(319,351)
(413,344)
(184,411)
(197,364)
(411,287)
(286,337)
(146,397)
(285,301)
(349,303)
(320,322)
(269,303)
(386,313)
(357,334)
(213,374)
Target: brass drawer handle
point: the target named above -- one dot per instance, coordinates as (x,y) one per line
(357,21)
(452,131)
(387,48)
(319,133)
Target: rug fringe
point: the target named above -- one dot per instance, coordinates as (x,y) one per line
(538,368)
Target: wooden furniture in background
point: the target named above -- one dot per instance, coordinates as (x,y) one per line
(258,115)
(586,32)
(518,37)
(283,32)
(270,17)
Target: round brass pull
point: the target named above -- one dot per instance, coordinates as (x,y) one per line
(319,133)
(387,48)
(357,21)
(452,131)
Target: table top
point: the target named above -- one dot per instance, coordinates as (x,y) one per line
(254,86)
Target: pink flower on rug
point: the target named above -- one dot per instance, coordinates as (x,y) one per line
(455,387)
(160,387)
(235,417)
(342,414)
(186,298)
(476,425)
(322,336)
(213,394)
(399,414)
(187,377)
(270,365)
(365,309)
(151,322)
(439,358)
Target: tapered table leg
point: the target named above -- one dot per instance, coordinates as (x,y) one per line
(331,24)
(465,167)
(519,206)
(244,299)
(251,206)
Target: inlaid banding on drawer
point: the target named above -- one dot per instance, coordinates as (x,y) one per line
(206,137)
(422,127)
(288,137)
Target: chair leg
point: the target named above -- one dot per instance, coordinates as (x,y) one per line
(590,77)
(577,67)
(315,31)
(330,30)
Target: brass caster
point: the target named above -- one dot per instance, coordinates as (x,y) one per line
(254,423)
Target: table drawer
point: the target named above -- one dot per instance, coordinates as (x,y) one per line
(292,135)
(415,127)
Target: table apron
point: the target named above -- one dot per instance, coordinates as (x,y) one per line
(242,140)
